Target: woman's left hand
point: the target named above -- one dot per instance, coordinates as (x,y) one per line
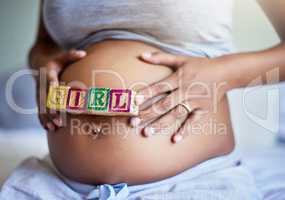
(195,87)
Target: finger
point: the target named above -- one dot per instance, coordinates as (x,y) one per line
(185,129)
(57,120)
(55,117)
(50,127)
(166,85)
(52,73)
(51,118)
(70,56)
(161,58)
(169,123)
(46,123)
(55,66)
(157,109)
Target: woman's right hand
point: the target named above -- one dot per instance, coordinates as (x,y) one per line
(52,121)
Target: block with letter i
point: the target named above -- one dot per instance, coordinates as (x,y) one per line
(57,97)
(77,100)
(98,100)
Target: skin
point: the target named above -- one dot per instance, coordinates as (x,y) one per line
(229,72)
(75,156)
(251,65)
(48,57)
(84,156)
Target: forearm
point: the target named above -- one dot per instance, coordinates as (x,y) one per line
(243,68)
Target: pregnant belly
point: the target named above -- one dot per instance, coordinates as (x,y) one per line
(120,153)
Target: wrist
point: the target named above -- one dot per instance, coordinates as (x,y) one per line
(232,70)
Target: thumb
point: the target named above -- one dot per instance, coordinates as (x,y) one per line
(69,57)
(55,66)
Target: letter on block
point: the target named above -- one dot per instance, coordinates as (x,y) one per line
(77,99)
(98,99)
(57,97)
(120,100)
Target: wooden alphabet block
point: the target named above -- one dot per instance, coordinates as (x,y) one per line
(77,99)
(98,99)
(120,100)
(57,97)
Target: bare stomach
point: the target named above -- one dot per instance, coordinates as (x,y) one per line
(121,154)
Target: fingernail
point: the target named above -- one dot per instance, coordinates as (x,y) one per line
(57,121)
(50,126)
(139,99)
(147,55)
(149,131)
(135,121)
(81,53)
(177,138)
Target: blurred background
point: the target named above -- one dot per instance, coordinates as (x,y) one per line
(18,25)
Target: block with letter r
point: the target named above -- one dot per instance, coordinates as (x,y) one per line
(98,99)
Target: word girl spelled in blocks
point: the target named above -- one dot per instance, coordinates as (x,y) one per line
(97,101)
